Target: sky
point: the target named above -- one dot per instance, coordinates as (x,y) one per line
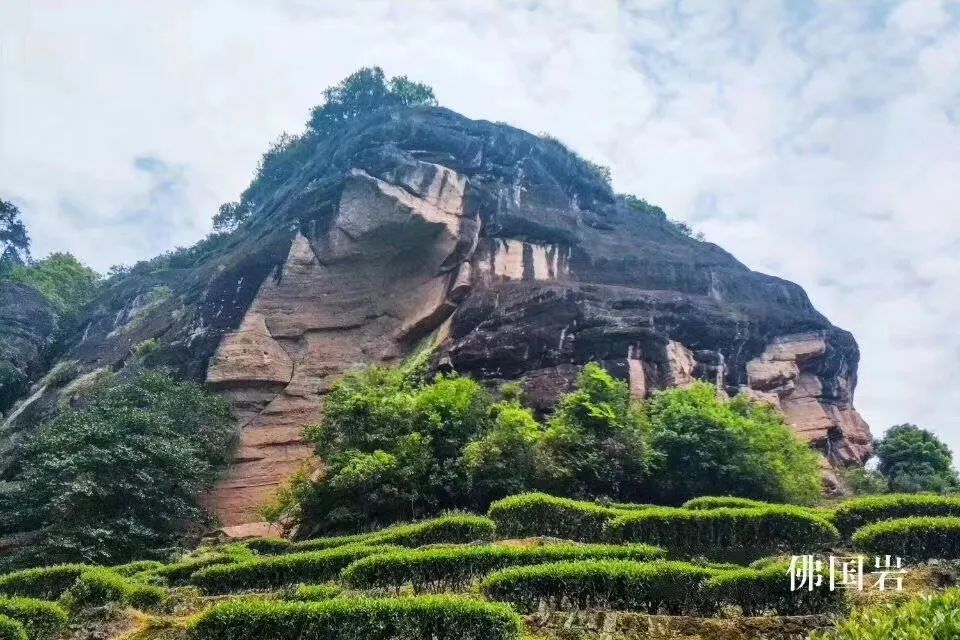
(816,141)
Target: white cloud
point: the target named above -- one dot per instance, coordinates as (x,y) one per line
(819,141)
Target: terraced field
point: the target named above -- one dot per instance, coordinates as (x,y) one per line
(534,566)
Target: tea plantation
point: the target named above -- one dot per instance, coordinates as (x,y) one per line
(534,566)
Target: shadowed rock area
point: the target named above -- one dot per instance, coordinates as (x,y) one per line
(503,248)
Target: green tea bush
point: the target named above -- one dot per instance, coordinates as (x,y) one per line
(437,618)
(46,583)
(451,529)
(719,502)
(315,592)
(659,587)
(749,531)
(538,514)
(767,591)
(279,571)
(11,629)
(137,566)
(99,587)
(269,546)
(926,618)
(916,538)
(854,514)
(41,619)
(439,570)
(180,572)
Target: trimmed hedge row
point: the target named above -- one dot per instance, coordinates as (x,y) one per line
(46,583)
(137,566)
(753,530)
(539,514)
(854,514)
(99,587)
(269,546)
(914,538)
(438,570)
(179,573)
(719,502)
(673,588)
(668,587)
(922,618)
(315,592)
(11,629)
(452,529)
(40,618)
(437,618)
(767,591)
(279,571)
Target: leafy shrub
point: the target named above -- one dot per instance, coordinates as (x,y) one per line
(853,514)
(706,445)
(538,514)
(920,538)
(278,571)
(62,373)
(450,529)
(760,591)
(142,349)
(99,587)
(926,618)
(315,592)
(137,566)
(11,629)
(119,479)
(748,531)
(41,619)
(437,618)
(659,587)
(719,502)
(46,583)
(454,568)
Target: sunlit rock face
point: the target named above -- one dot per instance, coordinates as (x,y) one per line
(509,253)
(383,274)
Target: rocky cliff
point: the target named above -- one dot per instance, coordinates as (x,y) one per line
(504,250)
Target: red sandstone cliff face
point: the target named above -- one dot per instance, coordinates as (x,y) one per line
(510,253)
(390,266)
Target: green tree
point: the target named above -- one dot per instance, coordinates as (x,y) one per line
(392,449)
(505,460)
(594,445)
(704,445)
(14,241)
(120,479)
(230,216)
(913,459)
(363,92)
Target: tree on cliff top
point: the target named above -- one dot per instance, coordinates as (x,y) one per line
(913,459)
(361,93)
(14,241)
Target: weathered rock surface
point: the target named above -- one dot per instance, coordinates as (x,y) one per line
(508,250)
(27,326)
